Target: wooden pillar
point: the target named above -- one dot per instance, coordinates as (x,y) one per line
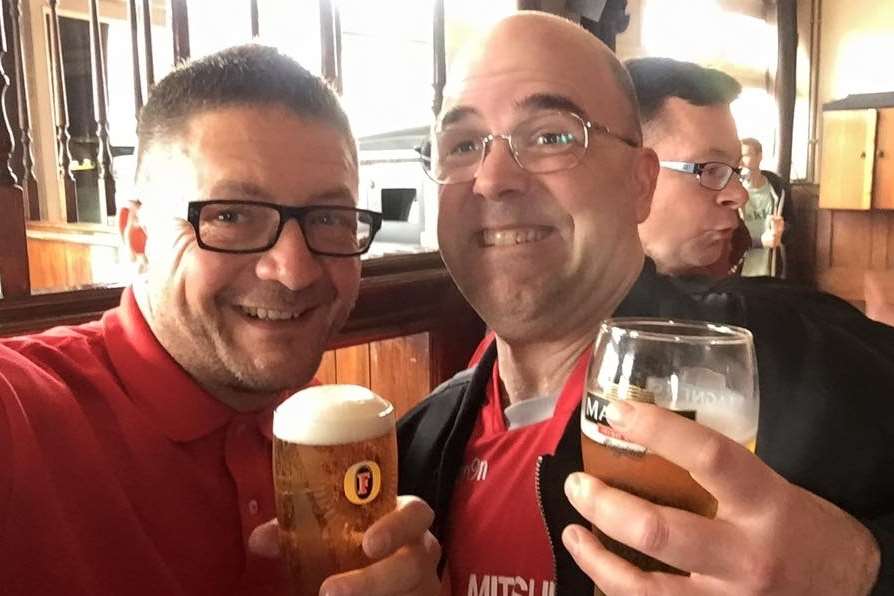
(180,30)
(147,45)
(63,137)
(255,24)
(13,247)
(101,111)
(439,58)
(27,179)
(330,44)
(786,82)
(135,54)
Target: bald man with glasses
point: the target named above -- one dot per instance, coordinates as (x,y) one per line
(544,182)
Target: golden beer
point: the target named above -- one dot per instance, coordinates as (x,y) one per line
(702,371)
(607,455)
(335,473)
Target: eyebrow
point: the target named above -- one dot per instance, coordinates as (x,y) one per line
(715,154)
(238,189)
(334,194)
(549,101)
(536,101)
(243,189)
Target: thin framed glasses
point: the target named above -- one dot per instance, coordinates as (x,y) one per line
(255,226)
(714,175)
(548,141)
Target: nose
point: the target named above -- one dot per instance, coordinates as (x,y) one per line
(499,176)
(290,261)
(734,196)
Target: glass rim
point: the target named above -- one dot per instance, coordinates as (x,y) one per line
(708,333)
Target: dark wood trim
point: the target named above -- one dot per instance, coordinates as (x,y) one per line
(7,144)
(63,137)
(135,55)
(399,295)
(100,109)
(255,22)
(14,280)
(180,30)
(147,45)
(813,92)
(329,47)
(786,83)
(439,58)
(28,180)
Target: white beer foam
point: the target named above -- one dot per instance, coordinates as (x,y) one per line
(332,415)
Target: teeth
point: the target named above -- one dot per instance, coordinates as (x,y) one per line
(510,237)
(268,314)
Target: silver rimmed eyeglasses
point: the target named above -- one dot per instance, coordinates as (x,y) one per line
(548,141)
(714,175)
(255,226)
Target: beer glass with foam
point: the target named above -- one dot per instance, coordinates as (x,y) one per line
(702,371)
(335,473)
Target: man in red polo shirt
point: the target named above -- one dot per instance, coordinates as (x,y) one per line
(135,450)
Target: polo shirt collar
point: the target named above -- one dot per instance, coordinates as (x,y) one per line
(180,407)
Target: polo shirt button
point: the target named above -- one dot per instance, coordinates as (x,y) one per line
(240,429)
(253,507)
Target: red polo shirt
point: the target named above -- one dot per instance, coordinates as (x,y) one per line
(120,475)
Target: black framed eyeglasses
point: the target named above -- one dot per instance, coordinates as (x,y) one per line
(548,141)
(255,226)
(714,175)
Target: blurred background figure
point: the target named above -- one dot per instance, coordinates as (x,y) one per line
(767,214)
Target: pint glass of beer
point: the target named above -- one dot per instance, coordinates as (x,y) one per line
(335,473)
(702,371)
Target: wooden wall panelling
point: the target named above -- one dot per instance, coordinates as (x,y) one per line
(399,370)
(800,247)
(326,373)
(57,264)
(878,248)
(883,182)
(352,365)
(889,263)
(851,239)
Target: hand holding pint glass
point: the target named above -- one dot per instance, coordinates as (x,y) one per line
(702,371)
(335,473)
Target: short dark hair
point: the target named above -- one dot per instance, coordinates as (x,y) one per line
(657,79)
(249,74)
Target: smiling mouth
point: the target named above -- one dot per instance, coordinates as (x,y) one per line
(513,236)
(269,314)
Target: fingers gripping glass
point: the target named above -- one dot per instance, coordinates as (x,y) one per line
(710,174)
(546,142)
(254,226)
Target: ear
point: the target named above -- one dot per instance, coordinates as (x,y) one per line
(133,234)
(645,176)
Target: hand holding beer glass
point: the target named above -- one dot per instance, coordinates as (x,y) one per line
(335,473)
(702,371)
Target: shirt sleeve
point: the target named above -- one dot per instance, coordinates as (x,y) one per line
(7,397)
